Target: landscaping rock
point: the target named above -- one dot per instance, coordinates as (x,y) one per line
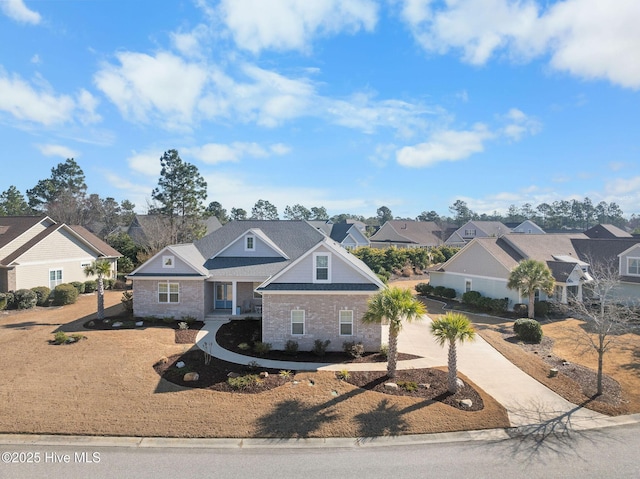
(117,324)
(459,383)
(466,402)
(233,374)
(180,364)
(191,377)
(390,386)
(264,375)
(424,386)
(139,323)
(163,360)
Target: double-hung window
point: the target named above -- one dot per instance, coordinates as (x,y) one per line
(297,321)
(633,266)
(346,323)
(322,267)
(168,293)
(55,278)
(250,243)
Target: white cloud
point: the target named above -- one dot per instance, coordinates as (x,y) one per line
(57,150)
(292,24)
(27,103)
(164,87)
(447,145)
(146,162)
(213,153)
(519,124)
(588,38)
(18,11)
(622,186)
(87,105)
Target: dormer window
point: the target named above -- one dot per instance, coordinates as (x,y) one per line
(168,261)
(468,233)
(250,243)
(322,266)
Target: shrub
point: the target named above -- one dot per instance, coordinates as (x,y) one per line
(343,374)
(449,293)
(244,347)
(43,293)
(127,301)
(64,294)
(261,348)
(183,325)
(408,386)
(60,337)
(528,330)
(90,286)
(108,283)
(424,289)
(384,350)
(471,297)
(242,382)
(189,319)
(79,286)
(4,300)
(520,309)
(354,349)
(25,299)
(439,291)
(541,309)
(285,374)
(499,305)
(320,347)
(291,347)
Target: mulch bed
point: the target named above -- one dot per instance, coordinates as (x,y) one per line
(585,377)
(248,331)
(432,385)
(182,336)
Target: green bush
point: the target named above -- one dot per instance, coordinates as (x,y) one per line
(354,349)
(541,309)
(424,289)
(43,293)
(291,347)
(520,309)
(60,337)
(261,348)
(79,286)
(471,297)
(90,286)
(528,330)
(64,294)
(108,283)
(409,386)
(439,291)
(320,347)
(449,293)
(4,300)
(499,305)
(242,382)
(25,299)
(384,350)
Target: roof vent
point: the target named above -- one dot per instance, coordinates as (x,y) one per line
(3,229)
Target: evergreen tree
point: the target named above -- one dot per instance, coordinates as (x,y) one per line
(13,203)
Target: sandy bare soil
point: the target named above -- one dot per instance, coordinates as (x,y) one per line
(106,385)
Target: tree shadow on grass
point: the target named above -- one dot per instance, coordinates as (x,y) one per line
(77,325)
(292,418)
(385,420)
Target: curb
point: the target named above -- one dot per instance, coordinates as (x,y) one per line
(299,443)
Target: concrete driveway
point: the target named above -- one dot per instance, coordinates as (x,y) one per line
(528,402)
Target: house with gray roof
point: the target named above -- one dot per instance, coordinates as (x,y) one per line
(38,251)
(484,264)
(348,234)
(302,283)
(407,234)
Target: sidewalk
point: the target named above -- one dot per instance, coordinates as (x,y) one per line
(527,401)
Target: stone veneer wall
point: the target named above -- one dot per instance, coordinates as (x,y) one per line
(321,320)
(145,300)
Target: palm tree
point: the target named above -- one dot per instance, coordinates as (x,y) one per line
(393,305)
(529,276)
(101,268)
(452,328)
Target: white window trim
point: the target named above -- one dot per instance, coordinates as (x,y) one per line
(171,261)
(56,281)
(168,293)
(298,322)
(341,322)
(246,243)
(629,273)
(315,268)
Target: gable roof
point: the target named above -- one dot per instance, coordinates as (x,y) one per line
(606,231)
(11,227)
(422,233)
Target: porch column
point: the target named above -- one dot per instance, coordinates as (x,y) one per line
(564,294)
(234,297)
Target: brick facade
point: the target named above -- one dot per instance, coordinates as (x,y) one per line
(321,320)
(191,300)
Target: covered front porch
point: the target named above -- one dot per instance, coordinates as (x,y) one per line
(232,298)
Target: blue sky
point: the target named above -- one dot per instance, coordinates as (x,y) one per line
(346,104)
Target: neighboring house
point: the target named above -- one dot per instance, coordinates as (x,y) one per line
(476,229)
(37,251)
(303,284)
(484,264)
(349,235)
(407,234)
(528,227)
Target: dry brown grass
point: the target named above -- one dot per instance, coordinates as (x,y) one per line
(106,385)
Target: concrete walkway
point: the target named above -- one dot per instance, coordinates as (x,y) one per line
(529,403)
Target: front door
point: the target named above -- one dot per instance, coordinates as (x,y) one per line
(224,298)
